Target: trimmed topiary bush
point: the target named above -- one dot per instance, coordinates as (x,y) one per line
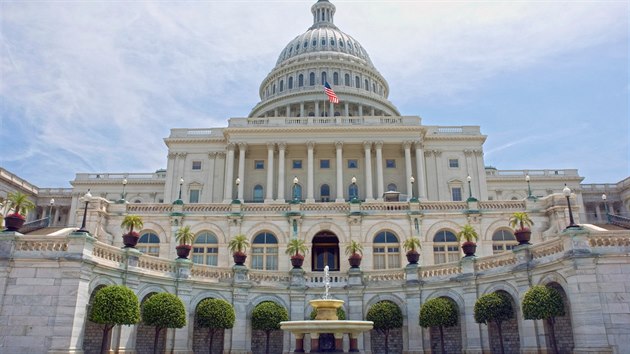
(163,311)
(386,316)
(267,317)
(440,312)
(494,307)
(341,314)
(216,315)
(544,303)
(114,305)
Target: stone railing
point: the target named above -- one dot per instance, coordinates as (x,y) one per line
(108,252)
(325,207)
(502,205)
(389,206)
(210,273)
(317,121)
(196,133)
(316,279)
(207,208)
(149,208)
(156,264)
(443,206)
(259,277)
(610,239)
(495,261)
(547,248)
(261,208)
(384,275)
(532,173)
(440,270)
(42,244)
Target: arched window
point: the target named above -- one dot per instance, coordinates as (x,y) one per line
(301,80)
(205,249)
(149,243)
(305,44)
(445,247)
(273,89)
(324,192)
(311,79)
(323,77)
(392,187)
(367,85)
(353,191)
(336,78)
(265,252)
(281,85)
(332,41)
(346,79)
(503,240)
(357,82)
(258,194)
(323,41)
(374,87)
(314,42)
(386,250)
(290,83)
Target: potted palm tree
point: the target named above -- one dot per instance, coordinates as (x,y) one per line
(355,251)
(469,235)
(523,222)
(412,245)
(296,248)
(20,203)
(130,222)
(238,245)
(185,238)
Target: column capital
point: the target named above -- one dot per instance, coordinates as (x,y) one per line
(428,153)
(231,146)
(468,153)
(271,146)
(242,146)
(310,144)
(220,154)
(418,144)
(406,144)
(338,144)
(182,154)
(367,145)
(282,146)
(437,153)
(212,154)
(378,145)
(478,152)
(171,155)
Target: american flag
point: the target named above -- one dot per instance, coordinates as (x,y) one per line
(332,96)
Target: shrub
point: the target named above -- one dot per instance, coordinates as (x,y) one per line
(494,307)
(439,312)
(216,315)
(544,303)
(163,311)
(386,316)
(267,317)
(114,305)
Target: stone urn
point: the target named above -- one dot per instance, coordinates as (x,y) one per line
(413,257)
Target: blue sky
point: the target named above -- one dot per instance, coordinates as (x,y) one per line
(94,86)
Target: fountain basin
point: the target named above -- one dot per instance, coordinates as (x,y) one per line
(338,328)
(326,309)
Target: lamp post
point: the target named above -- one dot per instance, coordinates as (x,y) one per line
(86,198)
(567,193)
(470,197)
(529,188)
(122,195)
(354,189)
(237,182)
(52,203)
(412,181)
(604,198)
(181,183)
(295,185)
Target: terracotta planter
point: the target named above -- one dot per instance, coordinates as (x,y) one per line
(413,257)
(297,260)
(183,251)
(13,222)
(130,240)
(355,260)
(523,236)
(469,248)
(239,258)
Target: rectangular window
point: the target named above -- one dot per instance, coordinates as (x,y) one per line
(324,164)
(456,194)
(353,163)
(297,164)
(453,163)
(259,164)
(194,196)
(196,165)
(390,163)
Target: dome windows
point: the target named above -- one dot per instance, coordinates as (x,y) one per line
(305,44)
(314,42)
(311,79)
(357,82)
(290,83)
(281,85)
(323,42)
(323,77)
(367,85)
(347,80)
(301,80)
(336,78)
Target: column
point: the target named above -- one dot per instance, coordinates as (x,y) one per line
(281,149)
(288,111)
(242,147)
(598,214)
(481,179)
(55,218)
(346,109)
(270,150)
(439,172)
(420,174)
(207,194)
(360,111)
(316,108)
(408,171)
(219,166)
(367,148)
(379,170)
(309,181)
(332,109)
(229,173)
(170,168)
(301,109)
(339,160)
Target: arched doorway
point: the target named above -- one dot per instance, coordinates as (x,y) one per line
(325,251)
(509,330)
(563,327)
(145,335)
(93,334)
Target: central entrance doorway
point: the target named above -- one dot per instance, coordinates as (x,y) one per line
(325,251)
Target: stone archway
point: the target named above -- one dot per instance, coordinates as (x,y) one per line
(93,334)
(452,336)
(201,338)
(146,334)
(563,327)
(509,330)
(325,251)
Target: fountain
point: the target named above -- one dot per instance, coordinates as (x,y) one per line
(326,324)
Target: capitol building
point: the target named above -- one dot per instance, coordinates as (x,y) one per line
(303,166)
